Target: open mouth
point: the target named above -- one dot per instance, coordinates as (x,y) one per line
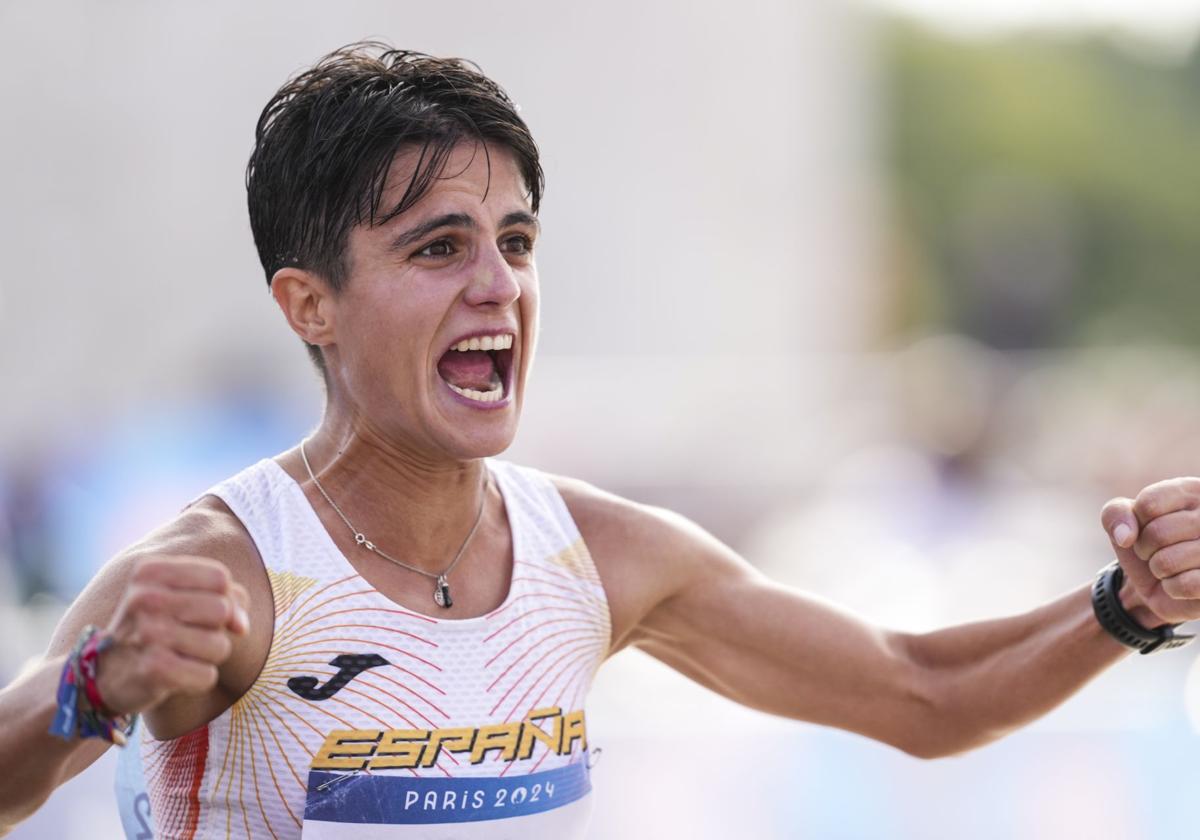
(479,368)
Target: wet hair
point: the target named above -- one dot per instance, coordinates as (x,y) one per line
(325,143)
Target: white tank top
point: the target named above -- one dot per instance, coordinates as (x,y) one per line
(369,720)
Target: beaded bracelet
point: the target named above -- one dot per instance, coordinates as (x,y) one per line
(80,708)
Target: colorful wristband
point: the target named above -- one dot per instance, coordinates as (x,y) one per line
(81,711)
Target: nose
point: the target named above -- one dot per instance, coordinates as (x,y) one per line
(493,280)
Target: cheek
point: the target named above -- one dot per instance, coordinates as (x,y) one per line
(363,331)
(383,342)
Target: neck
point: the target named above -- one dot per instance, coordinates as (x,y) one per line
(412,507)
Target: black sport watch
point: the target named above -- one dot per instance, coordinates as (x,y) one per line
(1106,603)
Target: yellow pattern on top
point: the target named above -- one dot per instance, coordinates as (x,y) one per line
(576,560)
(286,587)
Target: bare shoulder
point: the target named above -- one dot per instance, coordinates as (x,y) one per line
(206,529)
(645,554)
(603,516)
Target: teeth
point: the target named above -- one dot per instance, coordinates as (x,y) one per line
(487,342)
(503,341)
(479,396)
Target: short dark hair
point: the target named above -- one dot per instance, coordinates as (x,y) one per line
(325,143)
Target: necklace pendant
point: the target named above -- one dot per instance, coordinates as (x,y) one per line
(441,595)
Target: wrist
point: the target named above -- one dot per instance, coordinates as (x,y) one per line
(1108,605)
(81,711)
(1137,608)
(108,686)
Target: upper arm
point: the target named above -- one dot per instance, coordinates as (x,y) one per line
(690,601)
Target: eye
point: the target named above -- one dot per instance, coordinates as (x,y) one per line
(438,248)
(518,244)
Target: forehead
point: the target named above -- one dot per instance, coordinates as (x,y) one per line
(470,172)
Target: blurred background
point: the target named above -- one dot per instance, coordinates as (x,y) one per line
(890,297)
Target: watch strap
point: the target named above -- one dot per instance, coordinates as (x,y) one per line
(1106,603)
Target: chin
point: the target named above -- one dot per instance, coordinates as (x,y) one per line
(472,430)
(476,451)
(483,444)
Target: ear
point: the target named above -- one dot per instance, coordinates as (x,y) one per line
(307,301)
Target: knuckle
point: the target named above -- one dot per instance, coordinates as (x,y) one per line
(136,634)
(219,612)
(1183,586)
(209,646)
(1164,564)
(147,598)
(211,610)
(218,573)
(135,597)
(1189,526)
(1189,586)
(1146,508)
(1165,607)
(155,666)
(200,677)
(1154,534)
(208,676)
(150,627)
(1113,507)
(145,568)
(1152,501)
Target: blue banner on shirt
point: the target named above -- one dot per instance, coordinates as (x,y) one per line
(393,799)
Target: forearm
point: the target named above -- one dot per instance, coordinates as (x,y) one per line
(990,677)
(36,762)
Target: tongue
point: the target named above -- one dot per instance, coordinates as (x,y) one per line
(472,369)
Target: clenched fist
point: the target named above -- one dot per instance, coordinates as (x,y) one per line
(1156,538)
(171,631)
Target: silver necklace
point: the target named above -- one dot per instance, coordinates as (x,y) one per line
(441,592)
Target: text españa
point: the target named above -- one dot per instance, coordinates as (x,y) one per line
(384,749)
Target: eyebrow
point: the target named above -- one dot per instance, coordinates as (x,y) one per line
(416,234)
(458,220)
(520,217)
